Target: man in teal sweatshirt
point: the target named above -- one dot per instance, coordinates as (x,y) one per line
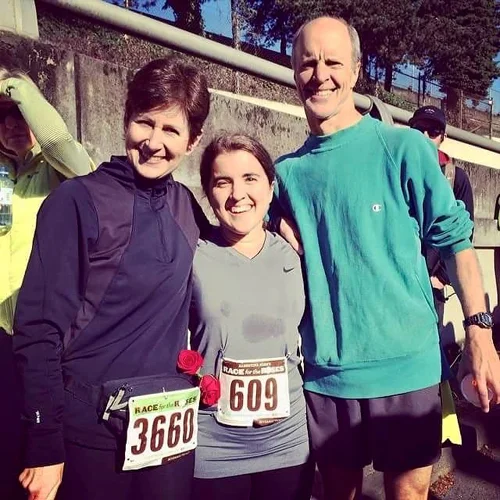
(365,197)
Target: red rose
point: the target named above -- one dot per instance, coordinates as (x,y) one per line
(210,390)
(189,361)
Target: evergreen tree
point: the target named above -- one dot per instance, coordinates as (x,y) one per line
(454,41)
(387,31)
(458,40)
(187,14)
(271,21)
(386,27)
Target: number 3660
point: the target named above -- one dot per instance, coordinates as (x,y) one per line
(179,427)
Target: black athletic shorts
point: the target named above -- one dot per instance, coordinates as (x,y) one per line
(396,433)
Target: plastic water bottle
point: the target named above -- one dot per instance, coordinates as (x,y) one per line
(468,387)
(6,192)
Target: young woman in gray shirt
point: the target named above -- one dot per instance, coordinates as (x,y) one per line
(248,301)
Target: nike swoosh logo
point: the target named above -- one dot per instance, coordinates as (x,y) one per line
(288,269)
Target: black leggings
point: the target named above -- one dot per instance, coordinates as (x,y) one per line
(289,483)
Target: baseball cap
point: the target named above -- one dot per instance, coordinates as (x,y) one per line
(428,113)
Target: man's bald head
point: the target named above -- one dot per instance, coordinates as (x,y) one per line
(333,21)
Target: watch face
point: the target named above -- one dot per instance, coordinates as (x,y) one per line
(485,320)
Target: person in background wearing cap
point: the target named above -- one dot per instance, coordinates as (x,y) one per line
(431,121)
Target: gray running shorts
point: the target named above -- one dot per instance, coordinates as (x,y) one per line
(396,433)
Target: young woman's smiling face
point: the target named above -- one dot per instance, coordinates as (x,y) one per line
(240,192)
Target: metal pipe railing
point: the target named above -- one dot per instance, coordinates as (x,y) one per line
(184,41)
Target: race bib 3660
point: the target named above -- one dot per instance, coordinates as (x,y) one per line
(161,427)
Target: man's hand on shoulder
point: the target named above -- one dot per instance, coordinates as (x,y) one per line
(42,483)
(480,359)
(437,283)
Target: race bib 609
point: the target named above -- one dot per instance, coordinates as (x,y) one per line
(253,392)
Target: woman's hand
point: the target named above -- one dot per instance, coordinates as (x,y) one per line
(42,483)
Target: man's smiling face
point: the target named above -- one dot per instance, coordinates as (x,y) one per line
(324,70)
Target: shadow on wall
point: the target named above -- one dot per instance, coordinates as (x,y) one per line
(447,334)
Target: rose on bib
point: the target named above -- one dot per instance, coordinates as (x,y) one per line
(210,390)
(189,361)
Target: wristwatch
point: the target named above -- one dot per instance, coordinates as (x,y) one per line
(482,319)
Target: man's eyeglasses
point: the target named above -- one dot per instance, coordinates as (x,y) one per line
(432,132)
(12,111)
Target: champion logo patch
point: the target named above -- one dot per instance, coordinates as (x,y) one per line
(376,207)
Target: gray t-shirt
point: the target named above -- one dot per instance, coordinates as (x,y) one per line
(247,309)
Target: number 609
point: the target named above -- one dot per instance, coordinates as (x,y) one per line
(253,395)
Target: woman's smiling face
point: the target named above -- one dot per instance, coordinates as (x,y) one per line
(240,192)
(157,141)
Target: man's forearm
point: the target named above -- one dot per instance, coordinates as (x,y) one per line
(480,358)
(465,276)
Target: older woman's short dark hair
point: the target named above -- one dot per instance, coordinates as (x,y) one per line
(227,143)
(170,82)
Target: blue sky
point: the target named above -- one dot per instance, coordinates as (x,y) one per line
(216,14)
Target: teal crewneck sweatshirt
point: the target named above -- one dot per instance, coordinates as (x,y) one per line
(364,199)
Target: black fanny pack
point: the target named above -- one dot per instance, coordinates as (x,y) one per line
(111,398)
